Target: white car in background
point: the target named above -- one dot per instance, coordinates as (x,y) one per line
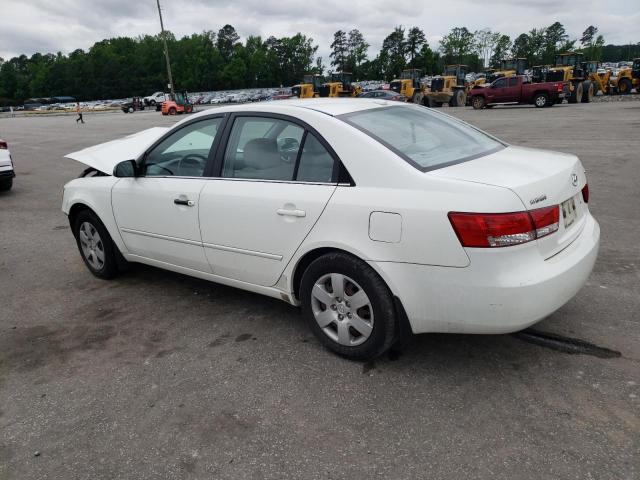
(155,98)
(376,217)
(7,173)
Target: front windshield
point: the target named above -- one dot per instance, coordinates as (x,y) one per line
(428,140)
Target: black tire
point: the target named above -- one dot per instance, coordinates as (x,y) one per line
(6,184)
(541,100)
(624,86)
(385,322)
(109,268)
(152,102)
(587,91)
(576,95)
(172,111)
(130,110)
(458,99)
(478,102)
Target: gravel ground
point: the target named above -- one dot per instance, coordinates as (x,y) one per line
(157,375)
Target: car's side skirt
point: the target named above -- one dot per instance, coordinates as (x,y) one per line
(268,291)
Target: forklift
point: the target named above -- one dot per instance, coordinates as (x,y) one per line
(178,103)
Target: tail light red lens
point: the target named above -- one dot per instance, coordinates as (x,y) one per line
(487,230)
(585,193)
(3,145)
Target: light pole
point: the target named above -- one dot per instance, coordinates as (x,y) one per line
(166,49)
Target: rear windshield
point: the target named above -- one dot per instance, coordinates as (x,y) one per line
(426,139)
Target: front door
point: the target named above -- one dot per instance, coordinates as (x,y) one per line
(157,212)
(276,178)
(497,91)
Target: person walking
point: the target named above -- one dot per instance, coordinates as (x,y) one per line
(79,112)
(11,110)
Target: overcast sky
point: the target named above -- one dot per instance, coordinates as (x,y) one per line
(30,26)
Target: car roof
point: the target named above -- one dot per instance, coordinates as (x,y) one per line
(328,106)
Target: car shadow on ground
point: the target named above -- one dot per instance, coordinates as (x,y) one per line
(448,351)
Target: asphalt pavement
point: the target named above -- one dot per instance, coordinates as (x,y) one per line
(156,375)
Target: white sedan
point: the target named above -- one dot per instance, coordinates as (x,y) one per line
(378,218)
(7,173)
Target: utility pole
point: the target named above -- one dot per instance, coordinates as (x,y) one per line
(166,50)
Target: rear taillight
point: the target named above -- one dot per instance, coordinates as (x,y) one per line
(487,230)
(3,145)
(585,193)
(560,87)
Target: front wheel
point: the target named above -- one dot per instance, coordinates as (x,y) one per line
(172,111)
(348,306)
(96,247)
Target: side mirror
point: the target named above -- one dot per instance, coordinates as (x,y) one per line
(126,169)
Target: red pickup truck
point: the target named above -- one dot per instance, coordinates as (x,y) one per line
(516,90)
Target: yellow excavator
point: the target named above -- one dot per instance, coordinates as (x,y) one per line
(450,87)
(599,78)
(570,68)
(339,86)
(409,85)
(508,68)
(627,78)
(310,86)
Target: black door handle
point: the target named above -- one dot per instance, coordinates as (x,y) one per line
(184,201)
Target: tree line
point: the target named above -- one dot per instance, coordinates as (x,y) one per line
(124,66)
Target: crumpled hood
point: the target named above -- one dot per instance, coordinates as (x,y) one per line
(105,156)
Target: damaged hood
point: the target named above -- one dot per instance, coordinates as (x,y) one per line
(105,156)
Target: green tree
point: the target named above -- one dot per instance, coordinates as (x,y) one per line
(393,56)
(500,51)
(416,39)
(227,41)
(457,45)
(339,50)
(356,52)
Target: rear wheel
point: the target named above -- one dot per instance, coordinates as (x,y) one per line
(98,252)
(587,91)
(152,102)
(348,306)
(576,95)
(130,109)
(478,102)
(624,86)
(541,100)
(172,111)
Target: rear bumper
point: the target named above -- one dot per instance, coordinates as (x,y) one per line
(496,293)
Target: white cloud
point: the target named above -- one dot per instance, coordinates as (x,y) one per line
(64,25)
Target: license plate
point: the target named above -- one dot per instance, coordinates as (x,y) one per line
(569,212)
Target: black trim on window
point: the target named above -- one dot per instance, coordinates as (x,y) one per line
(295,169)
(345,118)
(216,170)
(214,147)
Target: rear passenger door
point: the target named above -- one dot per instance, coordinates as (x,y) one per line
(274,178)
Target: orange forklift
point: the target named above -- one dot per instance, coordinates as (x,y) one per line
(178,103)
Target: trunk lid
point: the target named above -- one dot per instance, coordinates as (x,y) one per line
(540,178)
(105,156)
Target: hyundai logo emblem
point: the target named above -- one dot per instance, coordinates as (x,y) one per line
(574,179)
